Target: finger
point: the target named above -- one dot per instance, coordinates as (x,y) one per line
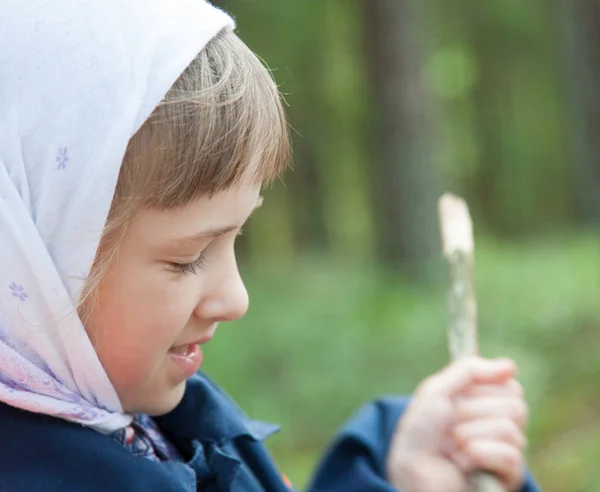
(500,459)
(512,408)
(503,430)
(511,388)
(463,373)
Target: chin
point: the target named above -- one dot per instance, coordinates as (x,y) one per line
(161,404)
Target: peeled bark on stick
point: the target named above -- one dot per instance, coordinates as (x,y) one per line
(458,244)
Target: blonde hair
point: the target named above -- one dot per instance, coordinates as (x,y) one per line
(222,118)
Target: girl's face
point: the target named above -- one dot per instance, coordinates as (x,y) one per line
(175,277)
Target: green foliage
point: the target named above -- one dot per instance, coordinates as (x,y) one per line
(451,72)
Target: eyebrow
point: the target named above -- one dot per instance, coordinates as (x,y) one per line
(207,234)
(213,233)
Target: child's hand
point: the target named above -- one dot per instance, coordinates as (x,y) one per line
(470,416)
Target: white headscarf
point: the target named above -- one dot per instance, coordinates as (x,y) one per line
(77,79)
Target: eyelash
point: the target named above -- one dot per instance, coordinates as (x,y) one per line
(190,268)
(193,267)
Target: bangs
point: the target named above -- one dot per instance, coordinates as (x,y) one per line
(221,123)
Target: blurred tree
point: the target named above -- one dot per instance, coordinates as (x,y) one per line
(581,22)
(488,99)
(404,185)
(518,185)
(295,221)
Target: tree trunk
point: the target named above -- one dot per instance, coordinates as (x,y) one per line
(581,25)
(404,188)
(488,96)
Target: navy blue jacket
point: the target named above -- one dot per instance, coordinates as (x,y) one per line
(224,451)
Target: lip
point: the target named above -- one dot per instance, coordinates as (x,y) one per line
(204,340)
(198,341)
(187,364)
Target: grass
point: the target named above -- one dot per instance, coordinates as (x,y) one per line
(321,338)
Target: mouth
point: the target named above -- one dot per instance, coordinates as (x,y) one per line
(185,349)
(187,357)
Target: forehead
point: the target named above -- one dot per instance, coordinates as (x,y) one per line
(229,208)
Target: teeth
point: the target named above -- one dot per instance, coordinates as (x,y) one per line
(183,350)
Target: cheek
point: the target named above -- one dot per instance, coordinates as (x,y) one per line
(134,325)
(154,304)
(152,311)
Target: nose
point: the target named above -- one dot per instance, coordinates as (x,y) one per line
(226,297)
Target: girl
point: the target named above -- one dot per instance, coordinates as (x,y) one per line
(135,136)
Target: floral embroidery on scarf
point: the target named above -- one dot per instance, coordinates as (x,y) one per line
(18,291)
(62,158)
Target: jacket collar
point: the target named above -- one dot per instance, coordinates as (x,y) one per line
(207,414)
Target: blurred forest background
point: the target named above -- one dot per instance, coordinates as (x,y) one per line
(393,102)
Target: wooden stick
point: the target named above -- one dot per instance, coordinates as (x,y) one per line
(458,244)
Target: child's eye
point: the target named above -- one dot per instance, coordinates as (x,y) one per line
(189,268)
